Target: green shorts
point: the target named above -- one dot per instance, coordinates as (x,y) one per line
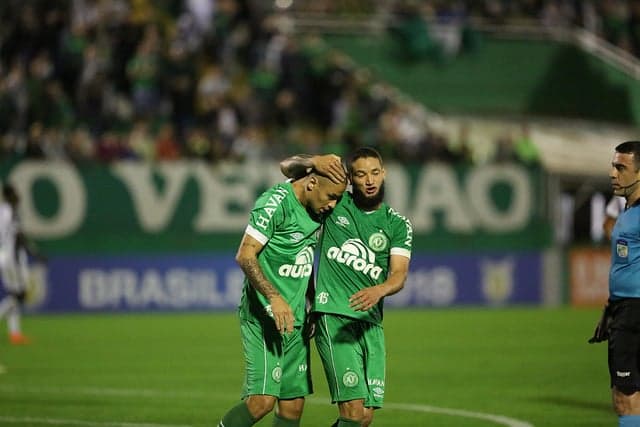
(353,356)
(276,365)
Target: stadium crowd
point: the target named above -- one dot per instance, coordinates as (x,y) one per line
(103,80)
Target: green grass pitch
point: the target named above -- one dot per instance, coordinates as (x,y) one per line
(452,367)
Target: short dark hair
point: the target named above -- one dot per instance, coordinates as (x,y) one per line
(363,152)
(631,147)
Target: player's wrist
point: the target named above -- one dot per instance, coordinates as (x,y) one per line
(272,297)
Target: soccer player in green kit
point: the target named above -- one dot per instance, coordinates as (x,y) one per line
(276,256)
(365,252)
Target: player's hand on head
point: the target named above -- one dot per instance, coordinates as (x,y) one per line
(330,166)
(282,314)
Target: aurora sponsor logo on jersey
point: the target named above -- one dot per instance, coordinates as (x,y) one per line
(355,254)
(302,267)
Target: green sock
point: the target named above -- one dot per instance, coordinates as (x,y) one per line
(238,416)
(343,422)
(278,421)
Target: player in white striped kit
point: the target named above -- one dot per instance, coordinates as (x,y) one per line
(13,264)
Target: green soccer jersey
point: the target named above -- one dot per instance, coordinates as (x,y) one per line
(355,251)
(289,235)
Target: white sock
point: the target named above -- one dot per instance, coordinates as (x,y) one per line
(13,321)
(6,305)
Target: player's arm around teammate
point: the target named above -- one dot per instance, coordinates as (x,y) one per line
(329,165)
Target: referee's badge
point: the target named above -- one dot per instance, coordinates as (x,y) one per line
(622,248)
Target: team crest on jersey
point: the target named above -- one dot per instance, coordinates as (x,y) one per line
(355,254)
(378,242)
(622,248)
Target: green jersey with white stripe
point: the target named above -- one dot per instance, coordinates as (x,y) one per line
(289,235)
(356,247)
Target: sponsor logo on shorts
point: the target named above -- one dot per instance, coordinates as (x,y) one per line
(276,374)
(350,379)
(623,374)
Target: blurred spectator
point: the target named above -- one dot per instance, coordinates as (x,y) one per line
(634,26)
(81,147)
(167,147)
(180,84)
(461,146)
(143,71)
(411,33)
(91,80)
(614,16)
(198,145)
(109,147)
(141,143)
(250,144)
(525,150)
(92,85)
(212,88)
(60,109)
(504,149)
(35,143)
(520,149)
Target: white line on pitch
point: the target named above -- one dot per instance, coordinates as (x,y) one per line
(99,391)
(67,422)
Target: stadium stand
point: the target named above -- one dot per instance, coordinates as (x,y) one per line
(101,81)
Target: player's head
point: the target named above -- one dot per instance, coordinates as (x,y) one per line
(366,172)
(10,195)
(625,169)
(321,193)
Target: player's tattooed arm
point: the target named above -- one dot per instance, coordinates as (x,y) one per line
(297,166)
(328,165)
(247,259)
(254,274)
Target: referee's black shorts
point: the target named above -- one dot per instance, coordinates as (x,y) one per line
(624,345)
